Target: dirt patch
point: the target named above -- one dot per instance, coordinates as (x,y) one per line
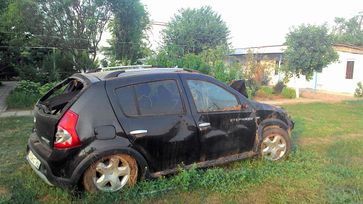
(3,191)
(326,96)
(265,98)
(307,96)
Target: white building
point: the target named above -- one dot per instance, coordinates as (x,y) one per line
(340,77)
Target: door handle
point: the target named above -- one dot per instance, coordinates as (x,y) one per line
(138,133)
(204,125)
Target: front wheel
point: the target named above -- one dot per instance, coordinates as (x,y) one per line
(111,173)
(275,144)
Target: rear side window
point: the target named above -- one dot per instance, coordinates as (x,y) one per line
(127,100)
(152,98)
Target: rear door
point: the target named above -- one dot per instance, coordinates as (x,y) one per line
(226,122)
(154,115)
(52,105)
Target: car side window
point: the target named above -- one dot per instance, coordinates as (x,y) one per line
(126,99)
(152,98)
(209,97)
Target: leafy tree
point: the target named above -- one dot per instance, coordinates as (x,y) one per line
(35,35)
(210,61)
(349,30)
(18,22)
(75,26)
(194,30)
(128,25)
(309,49)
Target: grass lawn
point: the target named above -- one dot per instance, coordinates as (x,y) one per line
(326,166)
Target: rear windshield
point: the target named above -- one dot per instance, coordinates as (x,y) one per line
(57,98)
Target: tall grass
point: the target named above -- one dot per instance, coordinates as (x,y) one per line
(21,100)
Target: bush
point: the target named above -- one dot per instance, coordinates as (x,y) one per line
(250,93)
(264,91)
(359,90)
(1,83)
(29,87)
(26,94)
(278,87)
(288,92)
(21,100)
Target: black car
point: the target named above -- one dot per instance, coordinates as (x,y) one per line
(104,130)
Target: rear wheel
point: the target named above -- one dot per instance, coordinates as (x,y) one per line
(275,144)
(111,173)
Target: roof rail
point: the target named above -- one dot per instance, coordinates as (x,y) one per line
(125,67)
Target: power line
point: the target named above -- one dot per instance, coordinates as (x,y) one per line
(46,36)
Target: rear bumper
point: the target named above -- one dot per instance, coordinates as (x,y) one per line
(39,173)
(44,171)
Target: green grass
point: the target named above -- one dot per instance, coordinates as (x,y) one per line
(325,167)
(21,100)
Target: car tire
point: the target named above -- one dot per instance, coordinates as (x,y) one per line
(275,144)
(111,173)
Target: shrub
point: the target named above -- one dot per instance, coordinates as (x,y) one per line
(26,86)
(359,90)
(26,94)
(18,99)
(249,93)
(278,87)
(288,92)
(252,88)
(46,87)
(264,91)
(1,83)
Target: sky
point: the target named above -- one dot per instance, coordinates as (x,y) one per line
(256,22)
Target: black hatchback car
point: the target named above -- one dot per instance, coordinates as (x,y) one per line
(105,130)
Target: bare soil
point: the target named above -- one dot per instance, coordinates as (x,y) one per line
(326,96)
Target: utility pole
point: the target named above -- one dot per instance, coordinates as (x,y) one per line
(53,61)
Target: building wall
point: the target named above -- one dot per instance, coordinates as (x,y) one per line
(332,78)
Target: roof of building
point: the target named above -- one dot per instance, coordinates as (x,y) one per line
(261,49)
(273,49)
(348,48)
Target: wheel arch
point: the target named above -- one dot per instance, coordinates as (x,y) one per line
(270,122)
(94,156)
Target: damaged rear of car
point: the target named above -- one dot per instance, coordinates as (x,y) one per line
(106,130)
(54,133)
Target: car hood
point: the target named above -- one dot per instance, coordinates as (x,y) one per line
(265,107)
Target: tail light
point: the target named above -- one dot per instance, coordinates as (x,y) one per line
(66,135)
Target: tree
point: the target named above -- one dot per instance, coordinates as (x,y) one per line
(129,23)
(194,30)
(19,21)
(75,26)
(309,49)
(349,30)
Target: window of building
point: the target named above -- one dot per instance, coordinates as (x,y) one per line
(277,67)
(209,97)
(152,98)
(350,70)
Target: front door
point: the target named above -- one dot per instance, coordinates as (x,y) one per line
(154,115)
(226,122)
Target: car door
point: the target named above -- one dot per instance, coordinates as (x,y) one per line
(226,121)
(154,116)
